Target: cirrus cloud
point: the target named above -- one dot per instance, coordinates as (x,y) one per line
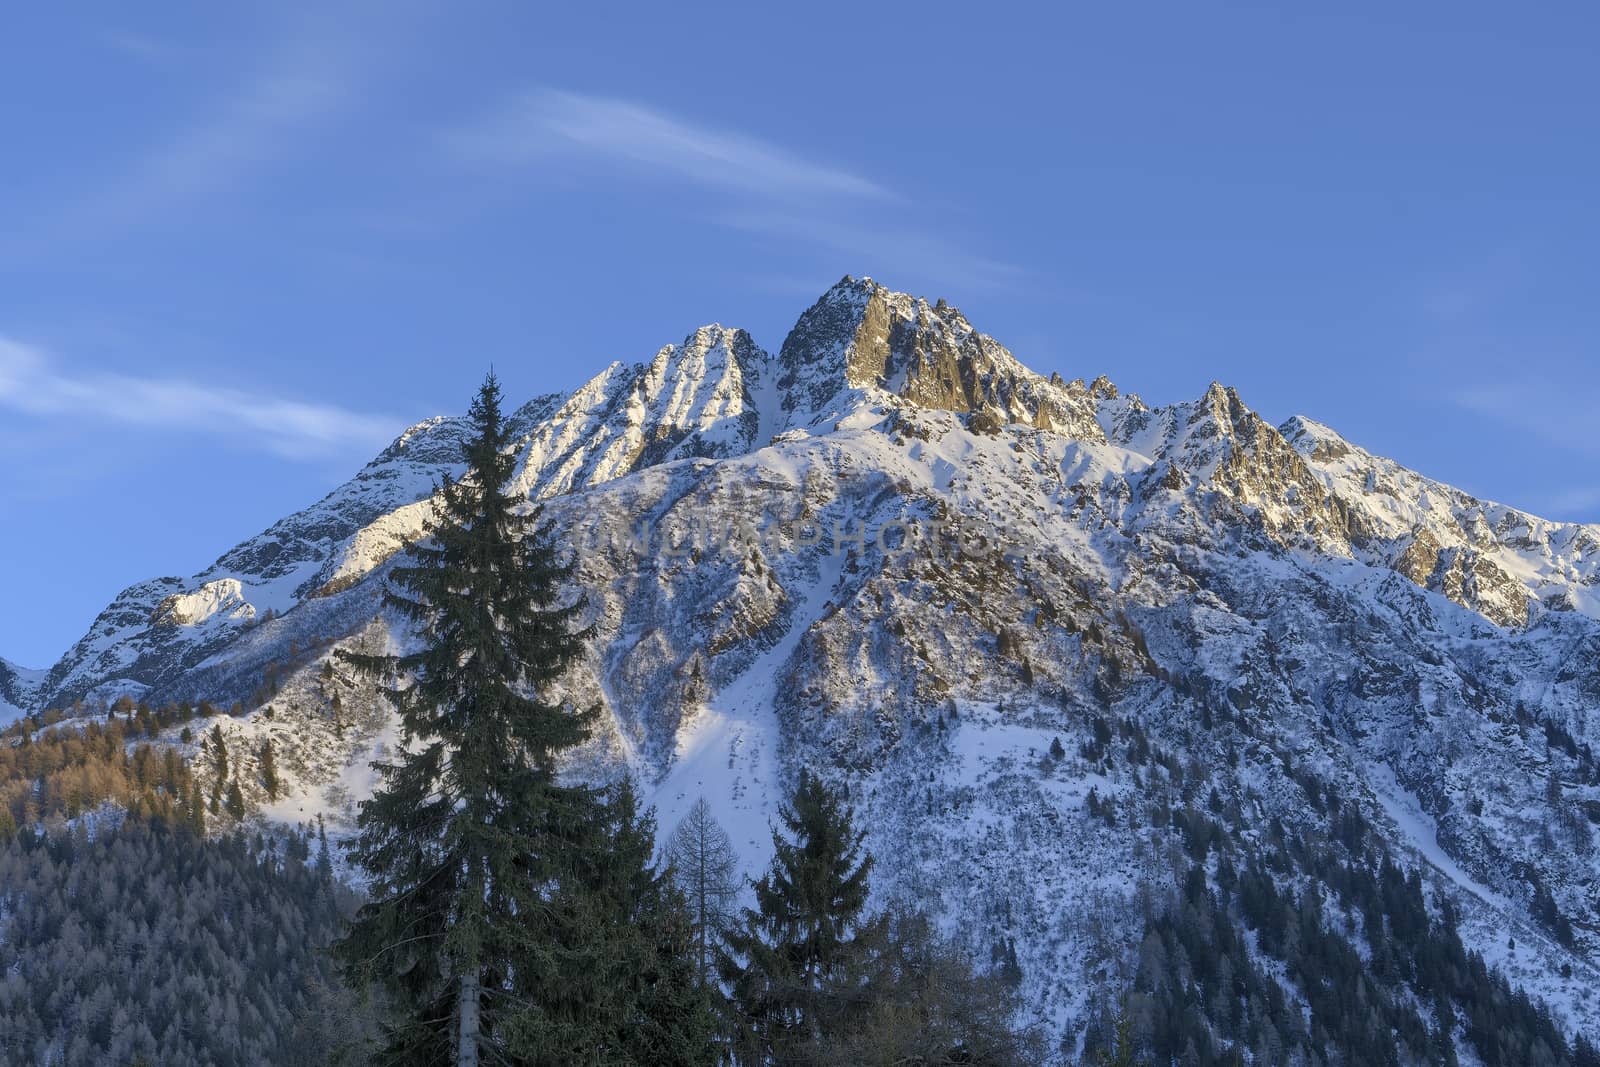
(544,122)
(31,384)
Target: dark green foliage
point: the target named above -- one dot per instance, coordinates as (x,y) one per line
(235,801)
(787,959)
(219,755)
(511,912)
(614,982)
(465,835)
(269,769)
(150,942)
(815,980)
(1121,1047)
(1548,915)
(913,998)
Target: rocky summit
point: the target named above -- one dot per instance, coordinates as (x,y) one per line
(1038,629)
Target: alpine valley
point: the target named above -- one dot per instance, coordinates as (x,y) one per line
(1060,648)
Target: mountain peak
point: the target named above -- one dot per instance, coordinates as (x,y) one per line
(1315,440)
(861,335)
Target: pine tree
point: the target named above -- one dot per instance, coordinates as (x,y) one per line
(324,856)
(235,801)
(785,961)
(269,769)
(622,988)
(468,834)
(705,867)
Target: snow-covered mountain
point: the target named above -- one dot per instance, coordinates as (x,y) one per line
(893,553)
(19,689)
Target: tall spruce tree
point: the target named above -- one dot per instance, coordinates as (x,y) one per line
(469,835)
(614,983)
(789,962)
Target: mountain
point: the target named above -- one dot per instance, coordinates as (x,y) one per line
(19,689)
(892,553)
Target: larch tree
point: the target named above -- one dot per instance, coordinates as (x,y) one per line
(705,868)
(468,835)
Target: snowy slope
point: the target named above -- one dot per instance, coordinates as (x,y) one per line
(1504,562)
(892,553)
(19,689)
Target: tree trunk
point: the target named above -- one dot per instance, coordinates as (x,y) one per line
(467,1010)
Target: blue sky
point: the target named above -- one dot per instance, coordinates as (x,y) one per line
(242,245)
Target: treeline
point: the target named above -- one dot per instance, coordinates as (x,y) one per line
(148,945)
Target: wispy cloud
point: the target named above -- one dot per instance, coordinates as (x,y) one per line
(545,122)
(300,81)
(254,123)
(1558,415)
(763,189)
(32,385)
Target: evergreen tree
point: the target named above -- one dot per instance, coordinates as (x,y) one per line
(705,867)
(468,835)
(786,962)
(269,769)
(235,801)
(615,983)
(324,856)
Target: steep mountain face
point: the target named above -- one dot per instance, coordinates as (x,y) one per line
(895,555)
(864,337)
(1500,562)
(18,689)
